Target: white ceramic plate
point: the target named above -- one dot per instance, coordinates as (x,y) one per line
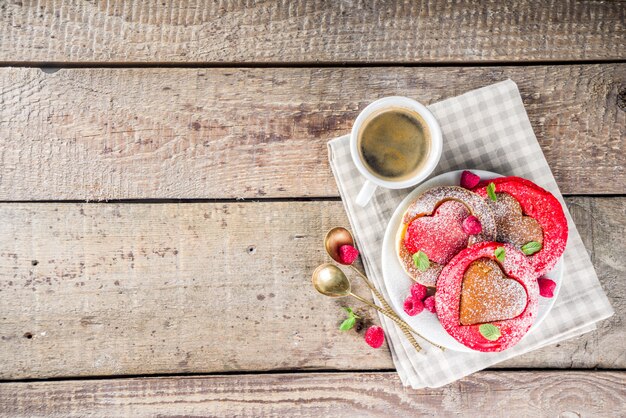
(398,282)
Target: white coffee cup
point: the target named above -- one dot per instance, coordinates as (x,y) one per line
(372,181)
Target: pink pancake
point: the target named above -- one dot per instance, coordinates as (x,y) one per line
(448,297)
(544,208)
(441,235)
(433,224)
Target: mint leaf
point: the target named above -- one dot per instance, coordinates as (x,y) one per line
(421,261)
(350,312)
(347,324)
(531,247)
(491,192)
(489,331)
(500,254)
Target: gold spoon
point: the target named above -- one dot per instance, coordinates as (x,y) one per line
(339,236)
(333,241)
(329,280)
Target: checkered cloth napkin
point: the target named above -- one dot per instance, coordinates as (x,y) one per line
(485,129)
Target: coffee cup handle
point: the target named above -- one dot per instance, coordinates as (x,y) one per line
(366,193)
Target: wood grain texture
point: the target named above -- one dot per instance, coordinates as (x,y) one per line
(100,134)
(486,394)
(114,289)
(299,31)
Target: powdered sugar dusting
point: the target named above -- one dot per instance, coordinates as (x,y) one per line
(448,297)
(512,225)
(424,205)
(488,295)
(441,235)
(427,202)
(427,278)
(545,209)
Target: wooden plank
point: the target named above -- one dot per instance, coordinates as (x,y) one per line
(298,31)
(243,133)
(487,394)
(114,289)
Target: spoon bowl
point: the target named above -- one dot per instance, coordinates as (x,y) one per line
(334,239)
(329,280)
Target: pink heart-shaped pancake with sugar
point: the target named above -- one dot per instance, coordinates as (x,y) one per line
(441,235)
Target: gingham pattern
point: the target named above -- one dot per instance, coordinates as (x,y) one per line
(484,129)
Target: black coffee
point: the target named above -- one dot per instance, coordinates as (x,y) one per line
(394,144)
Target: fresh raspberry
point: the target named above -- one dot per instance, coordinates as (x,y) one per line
(347,254)
(472,226)
(413,306)
(374,336)
(546,287)
(429,304)
(418,291)
(469,180)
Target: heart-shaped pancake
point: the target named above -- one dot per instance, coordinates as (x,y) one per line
(441,235)
(433,224)
(487,295)
(512,225)
(538,204)
(488,302)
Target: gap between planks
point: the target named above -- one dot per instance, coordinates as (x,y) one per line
(238,200)
(51,67)
(303,372)
(487,393)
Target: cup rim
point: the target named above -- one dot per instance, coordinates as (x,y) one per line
(435,134)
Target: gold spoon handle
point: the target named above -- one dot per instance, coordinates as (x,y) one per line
(376,292)
(394,318)
(404,326)
(408,335)
(386,305)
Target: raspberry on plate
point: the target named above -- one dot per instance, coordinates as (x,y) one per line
(546,287)
(469,180)
(413,306)
(429,304)
(418,291)
(472,226)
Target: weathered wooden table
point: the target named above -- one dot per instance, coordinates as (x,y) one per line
(164,191)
